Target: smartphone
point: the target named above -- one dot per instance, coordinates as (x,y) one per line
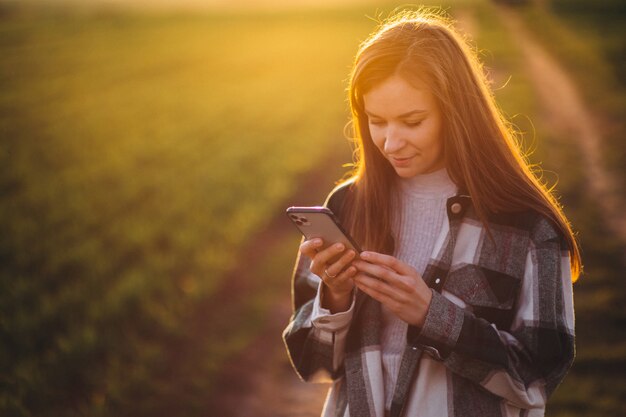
(320,222)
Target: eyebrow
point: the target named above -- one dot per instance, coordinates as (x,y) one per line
(403,115)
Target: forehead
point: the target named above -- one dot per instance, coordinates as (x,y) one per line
(395,96)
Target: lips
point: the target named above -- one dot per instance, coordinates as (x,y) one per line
(400,162)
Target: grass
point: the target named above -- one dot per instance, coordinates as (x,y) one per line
(138,154)
(584,37)
(588,38)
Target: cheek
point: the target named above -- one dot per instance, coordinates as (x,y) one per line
(378,137)
(434,139)
(437,152)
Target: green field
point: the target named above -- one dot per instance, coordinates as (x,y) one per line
(589,39)
(138,155)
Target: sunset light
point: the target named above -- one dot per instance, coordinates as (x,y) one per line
(150,148)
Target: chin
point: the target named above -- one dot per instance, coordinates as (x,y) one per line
(413,171)
(409,172)
(403,173)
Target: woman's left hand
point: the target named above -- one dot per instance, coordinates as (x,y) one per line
(395,284)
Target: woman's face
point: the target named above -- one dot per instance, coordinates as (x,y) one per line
(405,124)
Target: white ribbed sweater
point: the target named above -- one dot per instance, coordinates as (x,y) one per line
(423,202)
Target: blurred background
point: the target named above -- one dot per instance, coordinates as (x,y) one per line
(148,150)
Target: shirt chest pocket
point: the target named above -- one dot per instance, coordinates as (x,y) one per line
(490,294)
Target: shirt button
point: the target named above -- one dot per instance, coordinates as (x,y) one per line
(456,208)
(438,280)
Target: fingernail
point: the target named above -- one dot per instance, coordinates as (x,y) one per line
(339,246)
(365,255)
(317,242)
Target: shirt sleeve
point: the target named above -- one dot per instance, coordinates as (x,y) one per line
(324,320)
(315,338)
(524,363)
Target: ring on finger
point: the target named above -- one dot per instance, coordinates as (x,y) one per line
(328,275)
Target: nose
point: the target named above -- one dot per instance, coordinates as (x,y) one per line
(393,140)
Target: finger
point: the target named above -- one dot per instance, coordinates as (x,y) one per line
(341,263)
(345,277)
(386,274)
(320,260)
(343,281)
(378,295)
(379,286)
(325,255)
(388,261)
(310,247)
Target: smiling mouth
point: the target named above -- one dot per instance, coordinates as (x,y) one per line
(400,161)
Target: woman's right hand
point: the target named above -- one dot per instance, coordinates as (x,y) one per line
(332,265)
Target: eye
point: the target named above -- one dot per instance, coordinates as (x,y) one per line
(377,122)
(413,123)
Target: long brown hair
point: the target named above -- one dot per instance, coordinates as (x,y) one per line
(481,150)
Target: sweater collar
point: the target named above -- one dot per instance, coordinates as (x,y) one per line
(435,184)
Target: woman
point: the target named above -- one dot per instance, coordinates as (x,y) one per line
(461,303)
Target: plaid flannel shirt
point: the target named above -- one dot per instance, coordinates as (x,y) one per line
(497,340)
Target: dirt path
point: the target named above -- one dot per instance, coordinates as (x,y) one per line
(260,381)
(569,117)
